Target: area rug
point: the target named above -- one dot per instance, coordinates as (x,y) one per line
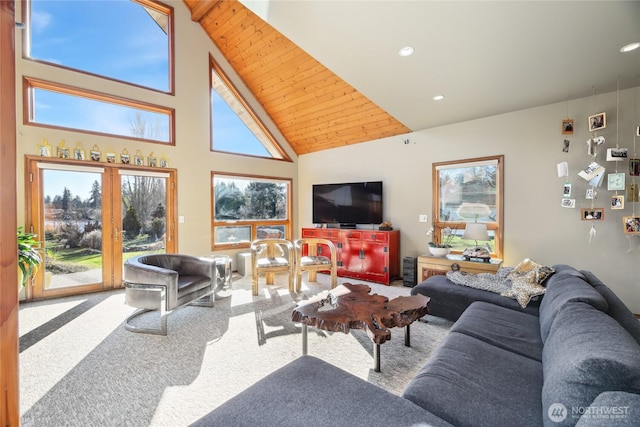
(80,367)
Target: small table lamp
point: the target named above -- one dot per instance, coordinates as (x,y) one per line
(476,231)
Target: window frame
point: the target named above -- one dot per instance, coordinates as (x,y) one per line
(31,83)
(273,147)
(254,224)
(497,227)
(160,7)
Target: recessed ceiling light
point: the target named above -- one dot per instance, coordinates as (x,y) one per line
(438,98)
(629,47)
(406,51)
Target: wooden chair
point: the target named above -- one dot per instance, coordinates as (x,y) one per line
(313,255)
(271,256)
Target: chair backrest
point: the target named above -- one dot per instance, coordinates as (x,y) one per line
(314,245)
(272,248)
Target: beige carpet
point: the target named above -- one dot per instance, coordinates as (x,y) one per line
(80,367)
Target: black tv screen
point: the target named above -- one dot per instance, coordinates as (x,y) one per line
(348,203)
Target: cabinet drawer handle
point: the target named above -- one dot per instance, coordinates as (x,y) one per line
(455,267)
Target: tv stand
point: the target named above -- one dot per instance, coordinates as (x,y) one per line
(348,226)
(372,255)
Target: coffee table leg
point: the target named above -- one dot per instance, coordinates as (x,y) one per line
(407,336)
(376,357)
(304,339)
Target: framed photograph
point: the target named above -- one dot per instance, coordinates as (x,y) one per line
(590,194)
(592,214)
(124,157)
(617,202)
(45,150)
(565,145)
(634,167)
(95,154)
(615,181)
(164,163)
(111,157)
(638,131)
(566,190)
(631,224)
(632,192)
(63,152)
(152,161)
(567,127)
(138,160)
(597,122)
(568,203)
(79,154)
(617,154)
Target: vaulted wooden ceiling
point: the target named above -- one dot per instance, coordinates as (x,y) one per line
(313,108)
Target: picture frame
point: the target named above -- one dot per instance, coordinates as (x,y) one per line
(45,149)
(152,161)
(592,214)
(568,203)
(566,190)
(124,157)
(632,192)
(631,224)
(617,154)
(164,163)
(567,127)
(597,122)
(62,152)
(79,154)
(634,167)
(617,202)
(138,159)
(95,154)
(615,181)
(590,194)
(111,157)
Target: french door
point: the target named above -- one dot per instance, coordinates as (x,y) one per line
(90,218)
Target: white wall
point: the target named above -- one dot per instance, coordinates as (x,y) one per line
(191,155)
(536,226)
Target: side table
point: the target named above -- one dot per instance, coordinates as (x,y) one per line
(431,266)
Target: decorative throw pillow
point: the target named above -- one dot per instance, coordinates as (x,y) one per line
(538,273)
(523,289)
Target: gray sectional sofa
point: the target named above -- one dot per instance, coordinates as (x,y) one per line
(575,361)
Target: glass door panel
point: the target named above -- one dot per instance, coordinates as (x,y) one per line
(144,213)
(72,228)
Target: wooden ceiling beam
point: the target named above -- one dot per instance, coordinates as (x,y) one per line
(200,8)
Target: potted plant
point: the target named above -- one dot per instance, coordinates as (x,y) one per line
(29,258)
(442,248)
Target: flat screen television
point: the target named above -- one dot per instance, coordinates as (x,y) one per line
(347,204)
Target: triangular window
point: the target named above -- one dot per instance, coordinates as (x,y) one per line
(235,128)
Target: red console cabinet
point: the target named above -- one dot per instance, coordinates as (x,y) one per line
(370,255)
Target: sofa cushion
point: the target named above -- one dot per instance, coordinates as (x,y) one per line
(505,328)
(564,286)
(449,300)
(469,382)
(617,309)
(587,353)
(612,408)
(308,392)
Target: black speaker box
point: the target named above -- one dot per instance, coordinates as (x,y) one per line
(409,271)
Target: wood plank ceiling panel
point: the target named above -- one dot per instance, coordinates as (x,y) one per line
(313,108)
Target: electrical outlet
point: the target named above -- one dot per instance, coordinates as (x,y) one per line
(422,218)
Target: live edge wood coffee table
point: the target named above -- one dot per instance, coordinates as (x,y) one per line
(350,306)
